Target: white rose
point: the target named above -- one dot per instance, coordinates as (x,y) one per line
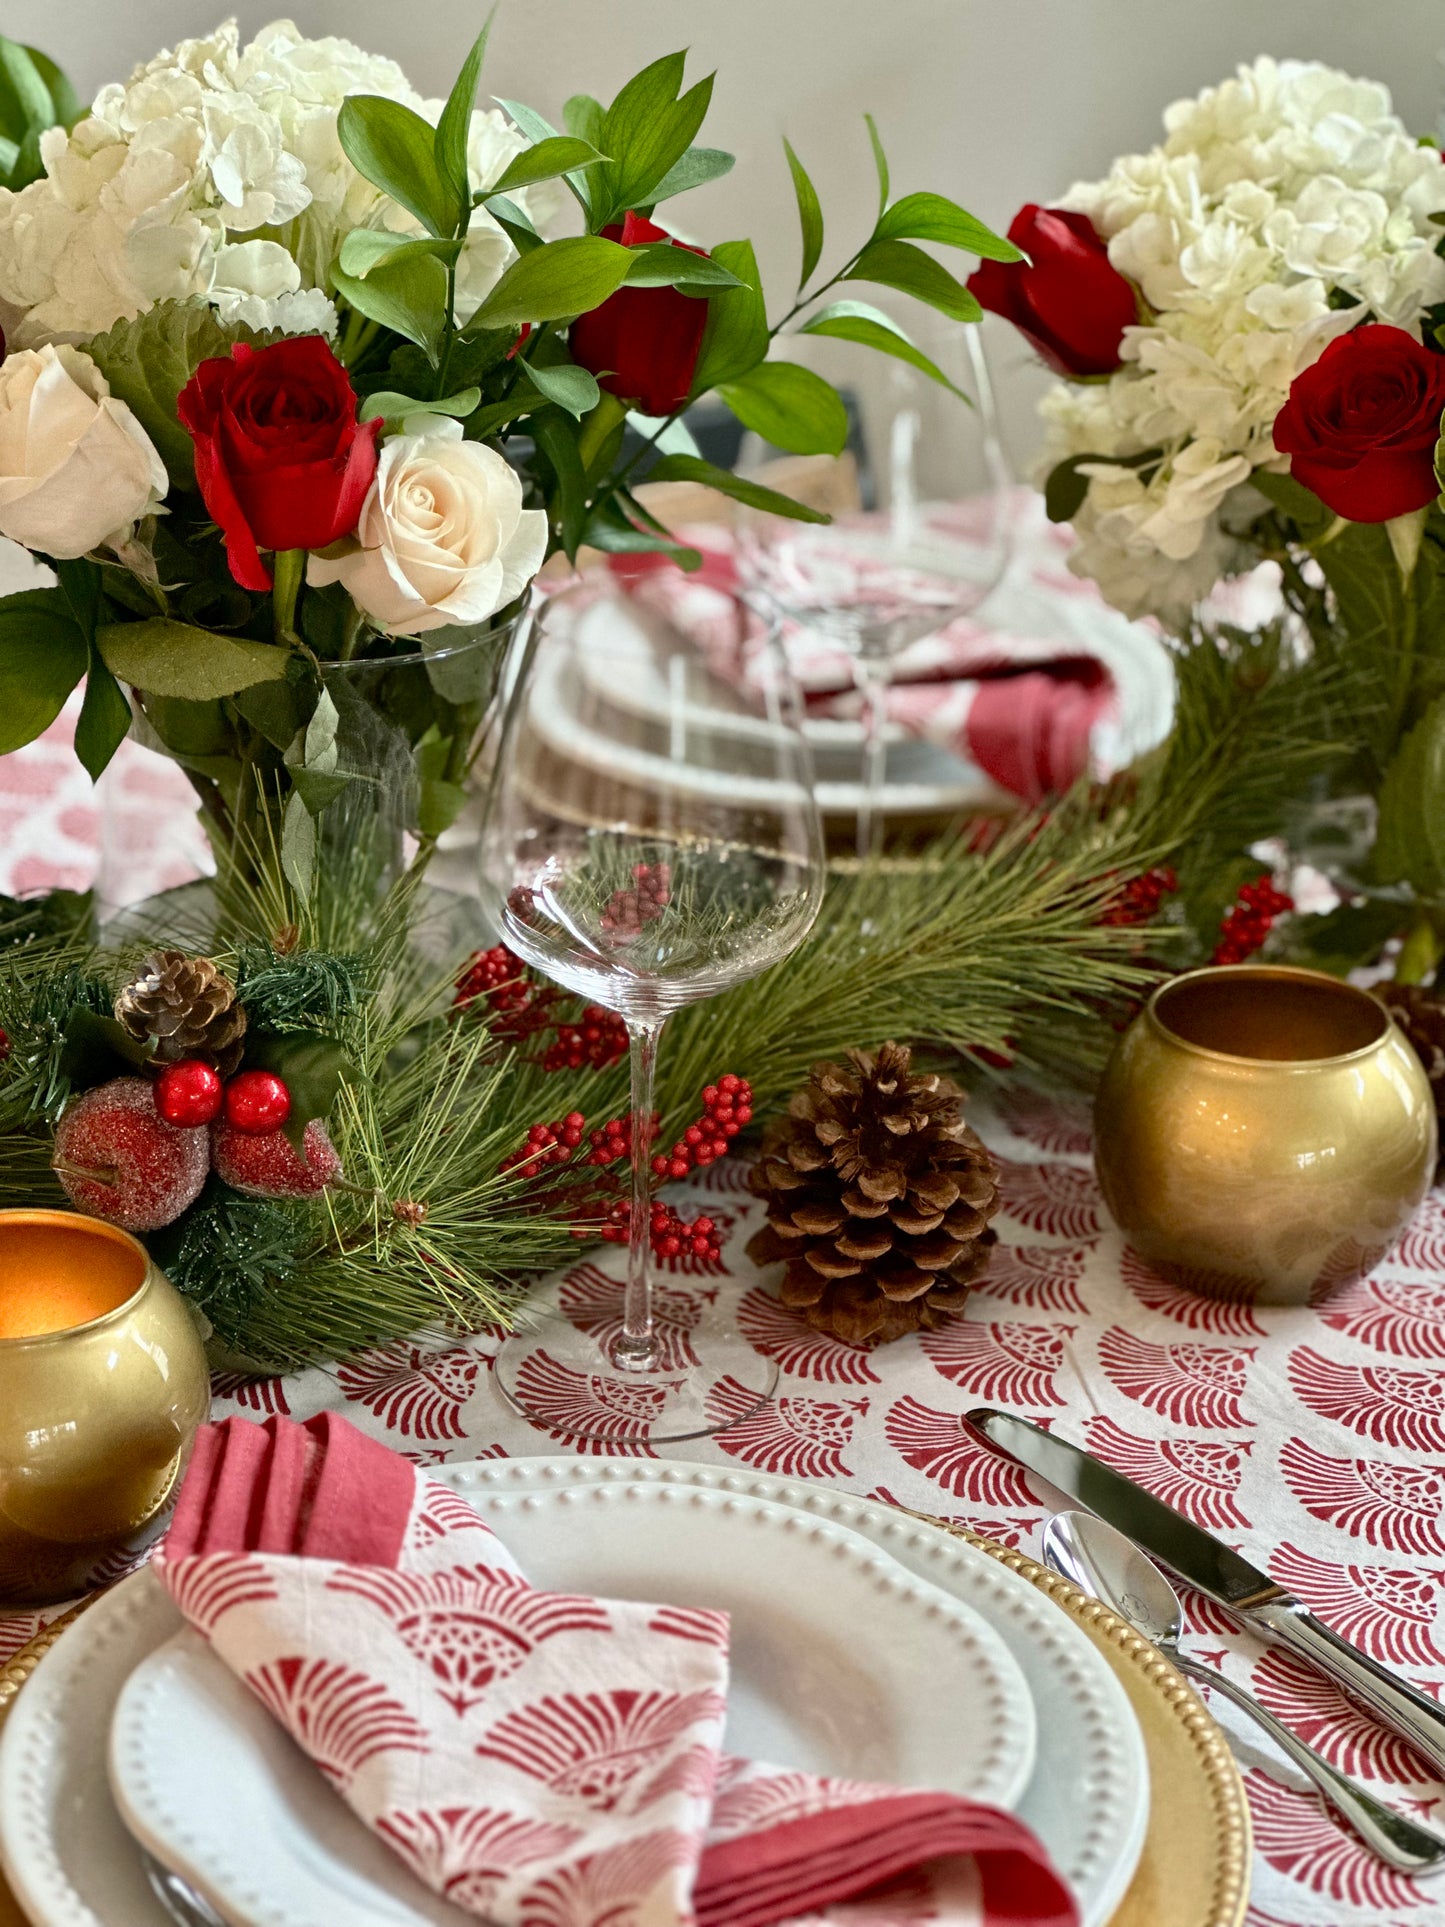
(76,467)
(443,537)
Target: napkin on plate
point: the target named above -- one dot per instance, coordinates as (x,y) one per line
(542,1759)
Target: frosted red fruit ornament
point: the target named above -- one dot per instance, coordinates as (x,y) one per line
(188,1094)
(268,1165)
(257,1101)
(120,1160)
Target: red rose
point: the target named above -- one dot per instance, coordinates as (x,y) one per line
(642,343)
(1068,297)
(1361,424)
(281,459)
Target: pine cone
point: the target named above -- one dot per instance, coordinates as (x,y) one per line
(187,1006)
(1420,1014)
(879,1198)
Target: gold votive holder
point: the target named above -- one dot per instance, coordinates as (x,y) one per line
(103,1381)
(1263,1132)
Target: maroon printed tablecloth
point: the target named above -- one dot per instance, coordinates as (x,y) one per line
(1314,1439)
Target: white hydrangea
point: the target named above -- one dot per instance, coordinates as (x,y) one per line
(206,173)
(1282,208)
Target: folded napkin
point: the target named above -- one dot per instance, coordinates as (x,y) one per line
(1051,686)
(542,1759)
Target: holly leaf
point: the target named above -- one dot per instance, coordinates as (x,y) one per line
(312,1067)
(95,1049)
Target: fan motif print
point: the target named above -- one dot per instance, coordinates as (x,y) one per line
(589,1299)
(1192,1385)
(419,1394)
(341,1717)
(1312,1438)
(465,1853)
(472,1628)
(1009,1364)
(597,1745)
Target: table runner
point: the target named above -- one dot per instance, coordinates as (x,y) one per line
(1312,1438)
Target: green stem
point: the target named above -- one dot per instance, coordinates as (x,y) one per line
(1421,951)
(1404,670)
(289,571)
(449,335)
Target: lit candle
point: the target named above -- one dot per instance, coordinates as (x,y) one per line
(55,1275)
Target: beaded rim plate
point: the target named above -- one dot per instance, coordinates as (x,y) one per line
(1196,1853)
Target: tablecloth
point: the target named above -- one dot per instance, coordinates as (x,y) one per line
(1313,1439)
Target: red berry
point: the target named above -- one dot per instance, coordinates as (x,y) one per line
(4,1045)
(188,1094)
(120,1160)
(268,1165)
(257,1102)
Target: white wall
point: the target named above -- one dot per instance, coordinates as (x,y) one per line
(992,101)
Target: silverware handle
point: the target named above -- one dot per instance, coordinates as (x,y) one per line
(1413,1717)
(1396,1840)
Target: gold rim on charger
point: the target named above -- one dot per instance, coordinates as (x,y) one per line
(1194,1869)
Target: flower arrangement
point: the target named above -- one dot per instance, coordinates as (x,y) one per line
(306,372)
(1251,322)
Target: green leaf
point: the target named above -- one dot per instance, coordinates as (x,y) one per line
(566,277)
(449,144)
(514,223)
(365,246)
(871,328)
(583,116)
(25,101)
(810,215)
(534,125)
(275,708)
(394,408)
(559,154)
(900,265)
(556,439)
(1410,839)
(697,166)
(790,407)
(393,148)
(406,293)
(440,801)
(932,217)
(880,162)
(65,103)
(646,130)
(736,337)
(660,264)
(104,720)
(148,362)
(610,528)
(571,388)
(312,1066)
(169,658)
(98,1048)
(1067,485)
(298,845)
(692,468)
(43,656)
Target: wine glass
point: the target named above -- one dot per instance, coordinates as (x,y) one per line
(649,842)
(919,539)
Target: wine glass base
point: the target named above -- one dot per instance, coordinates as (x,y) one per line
(562,1378)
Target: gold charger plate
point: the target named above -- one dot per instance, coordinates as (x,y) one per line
(1194,1869)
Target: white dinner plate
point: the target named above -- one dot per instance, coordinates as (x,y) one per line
(1087,1797)
(841,1663)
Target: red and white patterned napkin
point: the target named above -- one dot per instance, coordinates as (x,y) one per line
(543,1759)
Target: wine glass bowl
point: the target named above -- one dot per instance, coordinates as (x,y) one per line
(649,843)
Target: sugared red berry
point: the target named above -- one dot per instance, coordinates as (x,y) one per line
(268,1165)
(120,1160)
(257,1102)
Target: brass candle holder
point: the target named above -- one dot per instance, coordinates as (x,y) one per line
(103,1381)
(1263,1132)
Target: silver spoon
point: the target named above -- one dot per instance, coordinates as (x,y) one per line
(1112,1569)
(181,1902)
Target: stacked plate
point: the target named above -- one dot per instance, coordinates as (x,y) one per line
(864,1645)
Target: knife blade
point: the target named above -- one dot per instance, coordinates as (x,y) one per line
(1215,1569)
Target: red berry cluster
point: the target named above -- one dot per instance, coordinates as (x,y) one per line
(1249,922)
(613,1140)
(191,1094)
(520,1006)
(726,1107)
(548,1143)
(628,910)
(671,1236)
(599,1040)
(1139,900)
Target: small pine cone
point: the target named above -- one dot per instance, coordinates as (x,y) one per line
(879,1198)
(188,1007)
(1420,1014)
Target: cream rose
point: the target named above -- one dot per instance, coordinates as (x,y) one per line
(77,470)
(443,537)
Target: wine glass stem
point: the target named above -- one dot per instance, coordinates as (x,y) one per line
(871,669)
(635,1347)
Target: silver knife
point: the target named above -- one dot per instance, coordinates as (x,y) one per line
(1213,1568)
